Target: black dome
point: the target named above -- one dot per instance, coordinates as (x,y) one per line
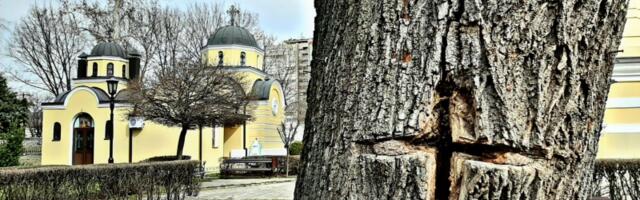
(232,35)
(108,49)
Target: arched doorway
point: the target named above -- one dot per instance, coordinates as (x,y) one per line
(83,139)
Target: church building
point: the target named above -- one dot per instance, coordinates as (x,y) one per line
(76,125)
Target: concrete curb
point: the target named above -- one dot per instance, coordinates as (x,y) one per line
(245,184)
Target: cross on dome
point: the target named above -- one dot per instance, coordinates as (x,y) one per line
(233,12)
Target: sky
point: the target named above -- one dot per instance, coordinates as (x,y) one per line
(282,18)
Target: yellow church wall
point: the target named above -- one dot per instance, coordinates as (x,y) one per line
(59,152)
(102,67)
(263,126)
(622,116)
(625,90)
(232,139)
(160,140)
(621,134)
(619,146)
(631,37)
(99,83)
(153,140)
(231,56)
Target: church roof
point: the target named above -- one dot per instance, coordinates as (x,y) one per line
(108,49)
(101,94)
(228,35)
(261,89)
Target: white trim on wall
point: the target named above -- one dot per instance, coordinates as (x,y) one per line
(108,58)
(621,128)
(613,103)
(232,46)
(626,72)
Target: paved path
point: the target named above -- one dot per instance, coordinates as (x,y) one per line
(276,188)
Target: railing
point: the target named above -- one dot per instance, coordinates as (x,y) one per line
(31,150)
(617,179)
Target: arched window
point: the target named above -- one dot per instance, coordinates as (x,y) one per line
(220,58)
(243,58)
(56,131)
(108,133)
(94,71)
(110,69)
(124,71)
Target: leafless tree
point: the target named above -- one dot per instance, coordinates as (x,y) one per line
(287,132)
(280,64)
(35,121)
(47,42)
(190,94)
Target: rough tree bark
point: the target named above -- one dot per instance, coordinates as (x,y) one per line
(433,99)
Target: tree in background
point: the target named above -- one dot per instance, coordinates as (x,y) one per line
(34,121)
(187,95)
(287,132)
(434,99)
(47,42)
(13,115)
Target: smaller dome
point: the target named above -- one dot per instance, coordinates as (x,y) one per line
(232,35)
(108,49)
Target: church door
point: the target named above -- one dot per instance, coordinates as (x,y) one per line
(83,140)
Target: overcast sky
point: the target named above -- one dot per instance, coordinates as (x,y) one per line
(283,18)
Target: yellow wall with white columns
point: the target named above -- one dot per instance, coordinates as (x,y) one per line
(254,57)
(620,137)
(153,140)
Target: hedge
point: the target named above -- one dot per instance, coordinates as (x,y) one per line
(170,180)
(617,178)
(166,158)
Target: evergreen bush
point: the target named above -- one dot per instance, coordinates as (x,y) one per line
(295,148)
(152,180)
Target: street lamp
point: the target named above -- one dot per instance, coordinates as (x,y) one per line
(112,87)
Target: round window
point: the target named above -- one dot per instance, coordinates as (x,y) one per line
(274,107)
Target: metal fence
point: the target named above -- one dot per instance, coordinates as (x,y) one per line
(617,179)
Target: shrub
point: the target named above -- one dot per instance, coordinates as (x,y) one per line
(11,148)
(295,148)
(294,165)
(166,158)
(172,180)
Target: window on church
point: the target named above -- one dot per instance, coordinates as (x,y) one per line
(124,71)
(108,133)
(94,71)
(243,58)
(220,58)
(56,131)
(110,69)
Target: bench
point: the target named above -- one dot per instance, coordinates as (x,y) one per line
(250,165)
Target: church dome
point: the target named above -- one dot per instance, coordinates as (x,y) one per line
(232,35)
(108,49)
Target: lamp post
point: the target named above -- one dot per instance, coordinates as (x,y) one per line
(112,86)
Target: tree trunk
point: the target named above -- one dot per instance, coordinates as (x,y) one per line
(432,99)
(183,135)
(287,163)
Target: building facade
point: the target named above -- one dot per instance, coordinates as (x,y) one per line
(621,132)
(76,124)
(292,59)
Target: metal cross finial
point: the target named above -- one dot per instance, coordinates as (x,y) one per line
(233,11)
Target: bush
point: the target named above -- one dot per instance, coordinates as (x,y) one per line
(11,147)
(295,148)
(166,158)
(172,179)
(294,165)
